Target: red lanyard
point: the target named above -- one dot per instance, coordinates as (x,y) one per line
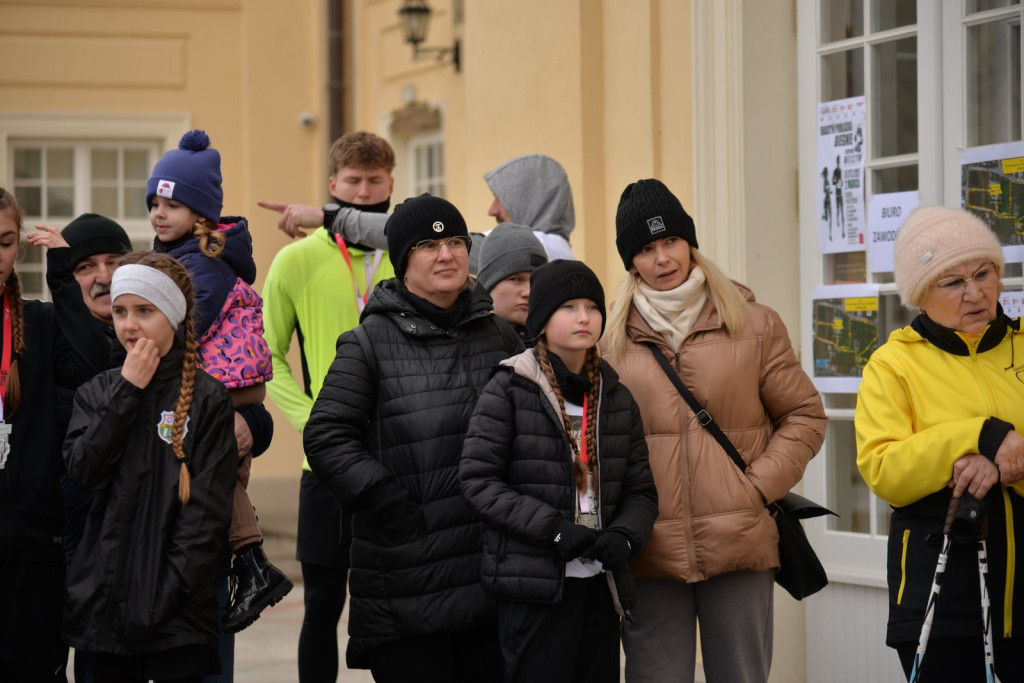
(584,456)
(5,359)
(371,271)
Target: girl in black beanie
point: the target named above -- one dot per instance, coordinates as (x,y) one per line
(555,463)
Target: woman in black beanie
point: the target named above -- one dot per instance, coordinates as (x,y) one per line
(555,463)
(714,551)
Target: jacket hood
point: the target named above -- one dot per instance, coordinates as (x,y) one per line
(534,189)
(237,247)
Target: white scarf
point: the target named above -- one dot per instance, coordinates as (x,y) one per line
(672,313)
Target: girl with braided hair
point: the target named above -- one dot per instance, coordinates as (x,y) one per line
(154,440)
(555,462)
(35,359)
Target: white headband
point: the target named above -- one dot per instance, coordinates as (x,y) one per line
(152,285)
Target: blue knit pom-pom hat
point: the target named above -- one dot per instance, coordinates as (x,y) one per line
(190,175)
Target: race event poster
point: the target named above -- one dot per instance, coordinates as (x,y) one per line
(841,152)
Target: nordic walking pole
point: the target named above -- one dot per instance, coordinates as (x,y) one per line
(986,614)
(929,612)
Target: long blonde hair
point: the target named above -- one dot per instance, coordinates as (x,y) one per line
(592,366)
(12,392)
(171,267)
(725,296)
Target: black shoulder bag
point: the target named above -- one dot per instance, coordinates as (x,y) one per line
(800,571)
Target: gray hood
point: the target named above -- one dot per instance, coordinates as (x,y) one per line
(534,189)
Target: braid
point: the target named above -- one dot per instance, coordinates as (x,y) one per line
(12,398)
(210,243)
(171,267)
(579,472)
(592,366)
(188,381)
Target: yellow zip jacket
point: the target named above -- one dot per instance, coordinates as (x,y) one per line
(923,403)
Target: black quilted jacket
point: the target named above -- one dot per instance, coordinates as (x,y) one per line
(517,472)
(403,421)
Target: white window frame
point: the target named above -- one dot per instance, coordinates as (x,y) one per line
(860,558)
(418,183)
(75,128)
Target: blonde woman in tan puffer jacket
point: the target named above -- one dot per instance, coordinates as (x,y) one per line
(714,550)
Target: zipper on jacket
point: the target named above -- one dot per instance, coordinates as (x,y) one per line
(903,566)
(1011,567)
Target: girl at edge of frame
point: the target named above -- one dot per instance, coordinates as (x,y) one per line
(555,462)
(154,439)
(714,551)
(39,359)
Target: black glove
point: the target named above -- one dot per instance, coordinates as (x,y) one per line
(571,540)
(393,514)
(611,549)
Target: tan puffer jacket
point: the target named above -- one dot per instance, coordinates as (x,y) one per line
(712,517)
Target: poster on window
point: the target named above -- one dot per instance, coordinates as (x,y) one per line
(886,213)
(841,151)
(1013,303)
(992,188)
(845,319)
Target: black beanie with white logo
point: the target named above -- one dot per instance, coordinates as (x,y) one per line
(420,218)
(648,211)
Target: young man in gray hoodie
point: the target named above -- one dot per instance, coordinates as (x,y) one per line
(531,190)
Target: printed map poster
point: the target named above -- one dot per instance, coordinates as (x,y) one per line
(845,335)
(886,214)
(841,151)
(992,188)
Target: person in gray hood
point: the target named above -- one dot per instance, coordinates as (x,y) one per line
(531,190)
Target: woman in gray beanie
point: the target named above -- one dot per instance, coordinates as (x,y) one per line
(714,550)
(936,420)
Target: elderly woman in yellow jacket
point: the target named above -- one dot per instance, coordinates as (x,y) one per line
(936,416)
(714,550)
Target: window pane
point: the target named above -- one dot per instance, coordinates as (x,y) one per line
(27,254)
(135,203)
(993,83)
(31,282)
(982,5)
(842,75)
(841,19)
(887,14)
(104,201)
(28,163)
(894,98)
(848,495)
(892,315)
(896,179)
(59,164)
(136,165)
(845,268)
(31,199)
(59,202)
(104,164)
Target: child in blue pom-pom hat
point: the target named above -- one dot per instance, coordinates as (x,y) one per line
(185,200)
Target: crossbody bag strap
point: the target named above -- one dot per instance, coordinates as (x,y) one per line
(703,416)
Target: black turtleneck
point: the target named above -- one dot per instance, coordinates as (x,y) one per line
(164,247)
(444,318)
(574,386)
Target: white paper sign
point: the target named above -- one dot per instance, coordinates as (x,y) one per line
(841,152)
(885,218)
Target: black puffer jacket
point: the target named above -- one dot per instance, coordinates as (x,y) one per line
(31,512)
(144,578)
(517,472)
(425,381)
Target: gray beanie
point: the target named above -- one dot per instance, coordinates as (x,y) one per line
(509,249)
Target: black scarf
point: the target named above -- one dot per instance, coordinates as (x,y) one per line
(574,386)
(444,318)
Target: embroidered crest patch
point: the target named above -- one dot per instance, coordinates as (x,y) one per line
(165,188)
(438,226)
(165,426)
(656,225)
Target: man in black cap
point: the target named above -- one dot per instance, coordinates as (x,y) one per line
(385,435)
